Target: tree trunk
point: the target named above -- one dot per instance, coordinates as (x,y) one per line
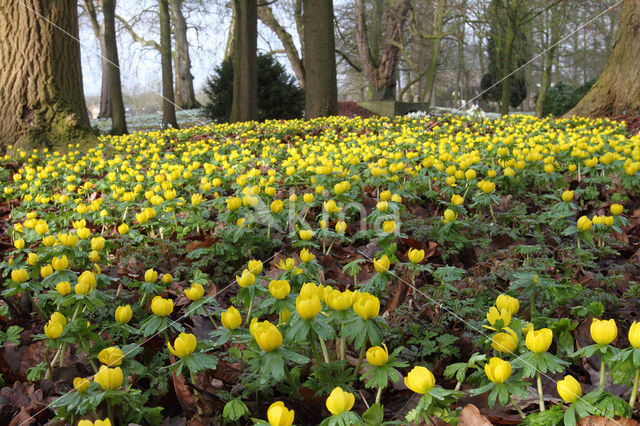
(245,74)
(438,25)
(266,16)
(98,31)
(118,120)
(506,71)
(41,78)
(555,29)
(231,41)
(320,59)
(168,100)
(185,94)
(617,91)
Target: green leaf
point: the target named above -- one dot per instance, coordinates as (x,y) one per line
(322,329)
(234,410)
(374,416)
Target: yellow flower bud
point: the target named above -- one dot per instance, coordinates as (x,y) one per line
(32,259)
(267,336)
(63,287)
(150,276)
(416,256)
(567,196)
(511,304)
(231,318)
(277,206)
(161,307)
(184,345)
(338,300)
(247,279)
(616,209)
(634,334)
(377,355)
(233,203)
(306,234)
(306,256)
(19,275)
(505,342)
(584,223)
(339,401)
(494,315)
(449,216)
(97,243)
(388,226)
(111,357)
(569,389)
(53,329)
(497,370)
(81,384)
(49,240)
(539,341)
(109,378)
(58,317)
(19,244)
(603,332)
(308,198)
(86,283)
(367,306)
(457,200)
(255,266)
(279,288)
(60,263)
(308,307)
(123,229)
(195,292)
(279,415)
(420,380)
(45,271)
(123,314)
(341,227)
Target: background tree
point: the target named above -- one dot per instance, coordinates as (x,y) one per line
(319,59)
(98,30)
(168,99)
(245,76)
(41,78)
(118,120)
(184,92)
(617,91)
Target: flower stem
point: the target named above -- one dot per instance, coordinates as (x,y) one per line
(342,348)
(516,407)
(323,346)
(361,357)
(249,313)
(210,317)
(314,348)
(634,391)
(379,395)
(195,392)
(602,371)
(540,393)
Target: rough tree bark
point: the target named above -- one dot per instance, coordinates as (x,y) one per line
(265,14)
(380,68)
(617,91)
(319,59)
(41,78)
(118,120)
(245,74)
(98,31)
(184,92)
(168,99)
(556,22)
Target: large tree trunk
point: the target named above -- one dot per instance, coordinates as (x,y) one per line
(380,68)
(319,59)
(506,71)
(617,91)
(168,100)
(98,31)
(245,74)
(185,94)
(118,120)
(41,90)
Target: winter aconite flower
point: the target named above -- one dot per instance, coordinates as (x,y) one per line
(507,302)
(111,357)
(279,415)
(378,355)
(420,380)
(53,329)
(105,422)
(338,300)
(231,318)
(306,234)
(494,315)
(584,224)
(505,342)
(388,226)
(416,256)
(367,306)
(634,334)
(308,307)
(603,332)
(538,341)
(81,384)
(306,256)
(497,370)
(63,287)
(267,336)
(279,288)
(195,292)
(161,307)
(616,209)
(255,266)
(449,216)
(567,196)
(123,314)
(339,401)
(19,275)
(569,389)
(246,279)
(382,265)
(184,345)
(86,283)
(109,378)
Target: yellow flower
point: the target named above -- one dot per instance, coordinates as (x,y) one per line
(111,357)
(567,196)
(388,226)
(161,307)
(58,317)
(331,206)
(69,240)
(341,227)
(53,329)
(377,355)
(83,233)
(338,300)
(19,244)
(339,401)
(308,198)
(109,378)
(457,200)
(97,243)
(497,370)
(416,256)
(420,380)
(123,229)
(603,332)
(284,315)
(306,256)
(616,209)
(123,314)
(49,240)
(308,307)
(267,336)
(382,265)
(231,318)
(255,266)
(247,279)
(86,283)
(279,288)
(45,271)
(306,234)
(150,276)
(63,287)
(195,292)
(569,389)
(538,341)
(105,422)
(505,342)
(287,265)
(495,315)
(634,334)
(19,275)
(41,227)
(584,223)
(385,195)
(511,304)
(233,203)
(279,415)
(81,384)
(196,199)
(184,345)
(277,206)
(94,256)
(60,263)
(487,186)
(167,278)
(382,206)
(367,306)
(449,216)
(32,259)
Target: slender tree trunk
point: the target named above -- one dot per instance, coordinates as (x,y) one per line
(549,58)
(185,94)
(168,102)
(118,120)
(245,75)
(506,71)
(438,25)
(231,40)
(320,59)
(617,91)
(98,31)
(41,78)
